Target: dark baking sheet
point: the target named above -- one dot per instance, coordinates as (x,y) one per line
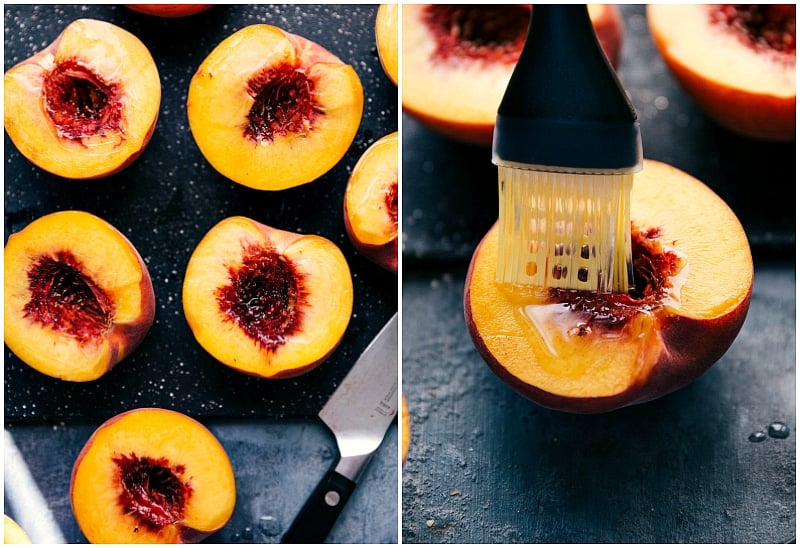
(167,200)
(487,465)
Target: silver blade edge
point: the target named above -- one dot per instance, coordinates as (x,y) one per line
(365,403)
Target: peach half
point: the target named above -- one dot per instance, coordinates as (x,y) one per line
(586,352)
(272,110)
(370,203)
(386,39)
(458,59)
(736,61)
(152,476)
(85,106)
(13,533)
(169,10)
(265,301)
(78,298)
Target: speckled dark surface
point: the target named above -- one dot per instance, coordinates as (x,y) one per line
(486,465)
(167,200)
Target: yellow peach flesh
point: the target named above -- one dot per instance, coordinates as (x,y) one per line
(365,196)
(324,316)
(113,54)
(533,341)
(218,106)
(155,433)
(684,31)
(96,245)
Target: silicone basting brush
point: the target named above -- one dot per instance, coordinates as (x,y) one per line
(566,143)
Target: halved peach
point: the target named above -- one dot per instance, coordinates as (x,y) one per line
(370,203)
(169,10)
(386,39)
(86,106)
(736,61)
(587,352)
(458,59)
(152,476)
(265,301)
(13,533)
(272,110)
(78,298)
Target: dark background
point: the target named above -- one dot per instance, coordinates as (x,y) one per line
(164,203)
(486,465)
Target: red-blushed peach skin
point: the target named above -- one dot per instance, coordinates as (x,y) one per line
(169,10)
(370,202)
(749,90)
(659,351)
(246,136)
(92,50)
(314,318)
(458,96)
(195,459)
(107,259)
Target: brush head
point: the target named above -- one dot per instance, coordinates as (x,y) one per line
(567,142)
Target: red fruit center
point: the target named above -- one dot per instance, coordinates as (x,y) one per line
(80,103)
(390,199)
(491,33)
(66,299)
(653,266)
(283,102)
(265,296)
(152,490)
(761,26)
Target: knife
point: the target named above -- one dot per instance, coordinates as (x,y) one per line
(358,413)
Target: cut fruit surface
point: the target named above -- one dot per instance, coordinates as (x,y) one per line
(77,296)
(584,352)
(152,476)
(737,63)
(264,301)
(458,59)
(86,106)
(272,110)
(386,32)
(370,202)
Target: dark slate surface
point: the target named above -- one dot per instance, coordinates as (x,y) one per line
(168,199)
(487,465)
(165,202)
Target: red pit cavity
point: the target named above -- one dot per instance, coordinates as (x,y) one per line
(284,102)
(265,296)
(759,25)
(66,299)
(653,267)
(390,199)
(80,103)
(489,33)
(152,490)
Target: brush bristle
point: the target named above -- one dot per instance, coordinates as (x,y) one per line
(565,230)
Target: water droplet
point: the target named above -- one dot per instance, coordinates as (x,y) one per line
(757,436)
(247,533)
(778,430)
(269,526)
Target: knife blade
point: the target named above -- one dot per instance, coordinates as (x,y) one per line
(358,413)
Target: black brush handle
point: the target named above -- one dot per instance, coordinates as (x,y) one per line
(564,105)
(319,513)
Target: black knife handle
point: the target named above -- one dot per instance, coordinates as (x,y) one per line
(321,510)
